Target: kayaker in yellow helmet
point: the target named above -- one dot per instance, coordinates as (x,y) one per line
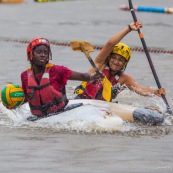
(112,61)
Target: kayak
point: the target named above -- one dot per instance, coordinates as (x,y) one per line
(11,1)
(127,112)
(101,114)
(97,115)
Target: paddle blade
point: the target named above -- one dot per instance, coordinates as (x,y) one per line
(107,89)
(82,46)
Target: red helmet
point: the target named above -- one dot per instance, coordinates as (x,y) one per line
(35,42)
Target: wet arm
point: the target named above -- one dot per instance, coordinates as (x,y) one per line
(100,60)
(107,49)
(80,76)
(85,76)
(142,90)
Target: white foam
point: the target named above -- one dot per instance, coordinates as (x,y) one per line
(84,118)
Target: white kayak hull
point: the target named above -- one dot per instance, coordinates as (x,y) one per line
(89,114)
(95,114)
(102,114)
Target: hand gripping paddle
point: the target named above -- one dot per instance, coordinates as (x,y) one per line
(86,48)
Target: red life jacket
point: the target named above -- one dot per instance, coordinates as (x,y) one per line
(93,89)
(43,98)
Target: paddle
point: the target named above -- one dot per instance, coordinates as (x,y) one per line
(148,56)
(86,48)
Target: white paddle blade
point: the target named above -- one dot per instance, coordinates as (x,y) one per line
(82,46)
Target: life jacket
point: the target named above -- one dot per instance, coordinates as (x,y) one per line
(93,89)
(42,97)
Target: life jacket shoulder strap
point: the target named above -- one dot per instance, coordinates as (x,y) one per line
(39,87)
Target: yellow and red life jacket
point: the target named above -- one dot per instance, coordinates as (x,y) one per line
(93,89)
(43,98)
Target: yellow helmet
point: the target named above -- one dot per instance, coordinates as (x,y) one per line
(122,50)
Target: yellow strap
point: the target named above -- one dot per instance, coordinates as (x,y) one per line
(84,84)
(107,89)
(49,65)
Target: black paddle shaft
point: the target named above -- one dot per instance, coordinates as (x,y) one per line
(94,66)
(148,56)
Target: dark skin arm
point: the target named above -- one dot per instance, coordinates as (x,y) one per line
(84,76)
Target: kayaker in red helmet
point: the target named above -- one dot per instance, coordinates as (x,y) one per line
(44,83)
(112,61)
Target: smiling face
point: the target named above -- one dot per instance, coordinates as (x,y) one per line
(40,56)
(116,62)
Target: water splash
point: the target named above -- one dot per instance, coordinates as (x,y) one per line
(130,97)
(95,120)
(17,119)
